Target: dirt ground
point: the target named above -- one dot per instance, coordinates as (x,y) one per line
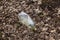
(45,13)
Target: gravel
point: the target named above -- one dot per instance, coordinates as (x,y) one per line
(45,16)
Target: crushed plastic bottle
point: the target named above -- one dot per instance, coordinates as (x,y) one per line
(25,19)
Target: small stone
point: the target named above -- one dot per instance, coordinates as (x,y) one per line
(34,0)
(23,2)
(59,39)
(25,31)
(46,24)
(53,31)
(39,1)
(37,11)
(38,24)
(48,19)
(59,28)
(3,36)
(51,38)
(0,17)
(13,35)
(58,10)
(44,29)
(42,22)
(3,23)
(1,7)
